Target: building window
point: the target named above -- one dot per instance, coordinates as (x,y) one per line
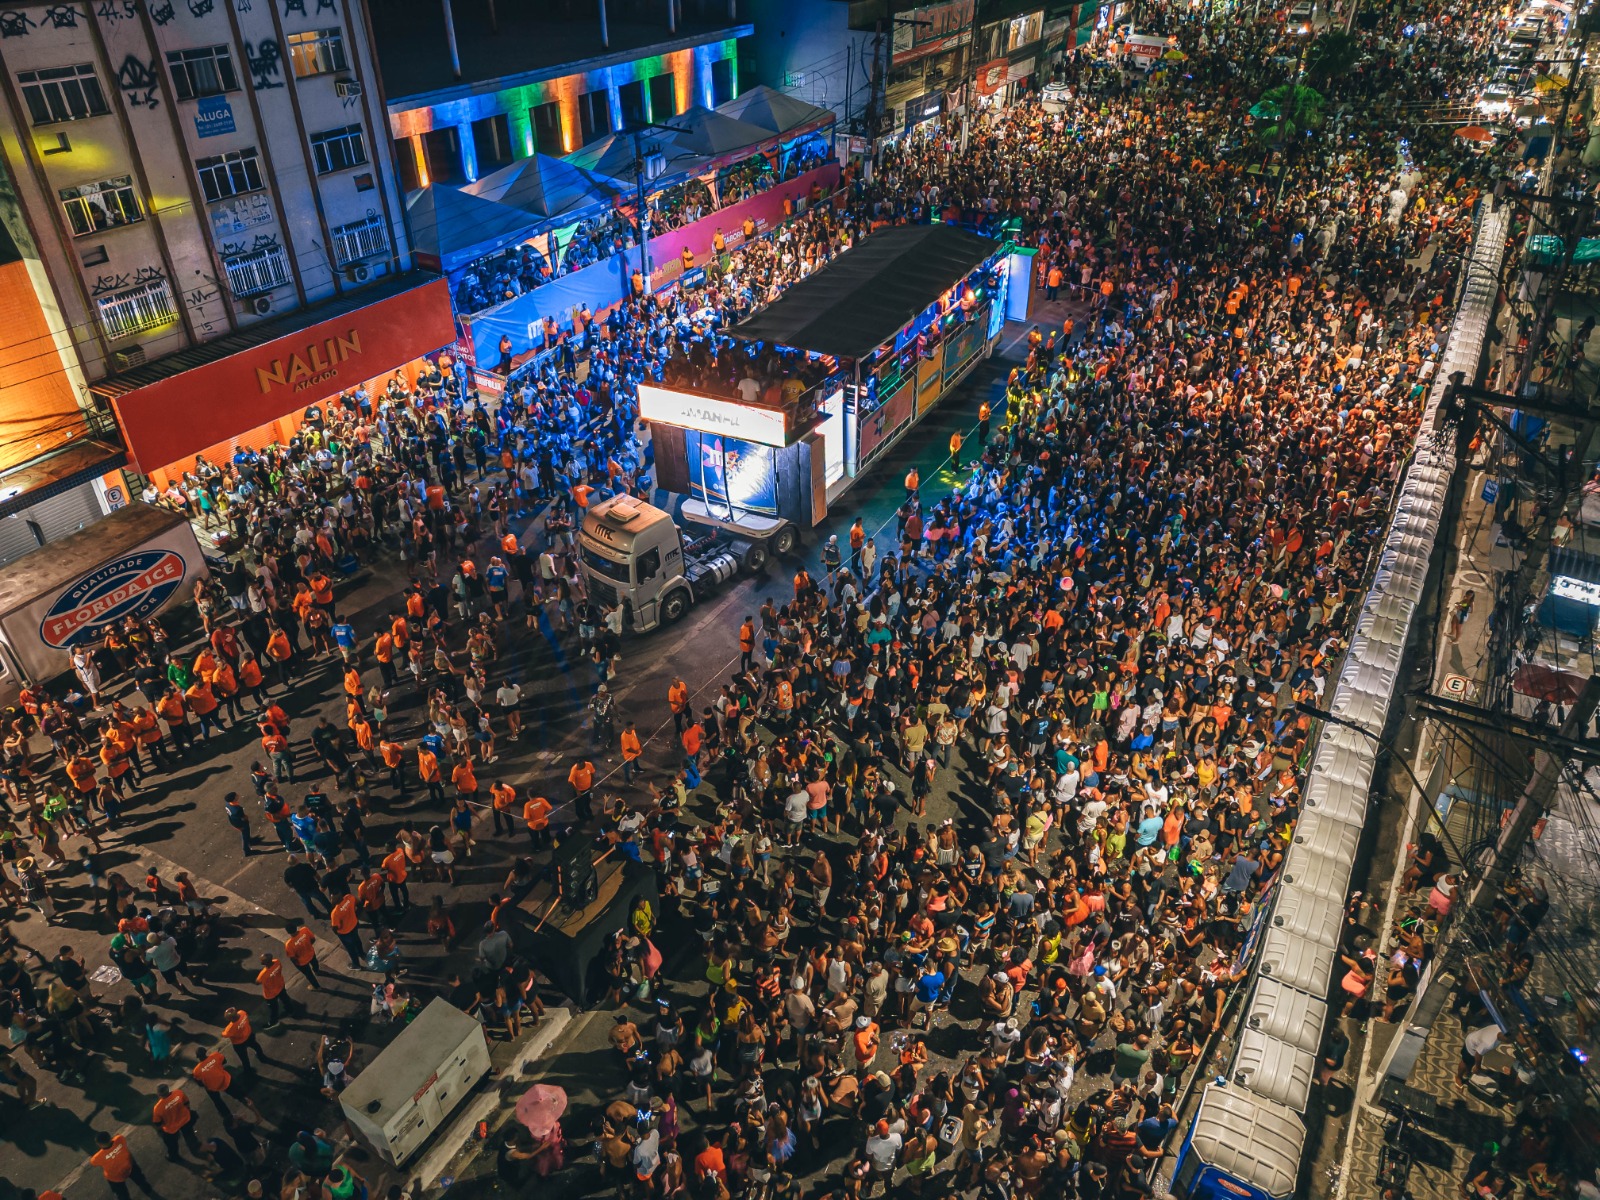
(631,100)
(137,310)
(663,97)
(317,52)
(257,272)
(721,81)
(96,207)
(224,175)
(63,94)
(358,240)
(339,149)
(207,71)
(546,120)
(594,115)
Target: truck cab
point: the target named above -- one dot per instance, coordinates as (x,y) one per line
(631,554)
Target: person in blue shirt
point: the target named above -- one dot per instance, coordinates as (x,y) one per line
(344,637)
(1149,828)
(495,580)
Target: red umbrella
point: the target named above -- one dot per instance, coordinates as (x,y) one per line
(1547,683)
(1475,133)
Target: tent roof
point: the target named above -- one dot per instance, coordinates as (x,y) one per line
(709,132)
(774,111)
(859,300)
(545,186)
(456,227)
(612,155)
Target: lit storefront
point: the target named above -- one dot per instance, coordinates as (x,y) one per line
(254,388)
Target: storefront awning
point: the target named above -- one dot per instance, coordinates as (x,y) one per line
(183,403)
(861,299)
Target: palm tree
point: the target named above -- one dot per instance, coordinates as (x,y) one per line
(1288,110)
(1332,56)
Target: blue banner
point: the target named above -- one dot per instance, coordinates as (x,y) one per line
(213,115)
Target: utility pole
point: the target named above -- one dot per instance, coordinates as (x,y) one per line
(1535,800)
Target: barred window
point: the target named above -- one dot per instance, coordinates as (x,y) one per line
(137,310)
(339,149)
(257,272)
(359,239)
(317,52)
(207,71)
(224,175)
(63,94)
(96,207)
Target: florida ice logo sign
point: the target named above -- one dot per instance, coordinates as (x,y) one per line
(134,586)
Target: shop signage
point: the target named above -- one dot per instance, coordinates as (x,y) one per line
(213,116)
(211,404)
(925,107)
(931,29)
(133,586)
(709,414)
(317,363)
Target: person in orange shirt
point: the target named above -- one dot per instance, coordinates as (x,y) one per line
(212,1074)
(117,1164)
(81,769)
(581,777)
(465,779)
(202,701)
(343,920)
(383,650)
(428,771)
(301,949)
(241,1036)
(502,800)
(250,678)
(281,651)
(536,815)
(395,871)
(362,728)
(747,639)
(270,977)
(115,760)
(394,757)
(171,709)
(147,733)
(174,1119)
(369,900)
(678,700)
(631,752)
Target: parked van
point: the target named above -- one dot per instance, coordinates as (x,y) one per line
(1144,50)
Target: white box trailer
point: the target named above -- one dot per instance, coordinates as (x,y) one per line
(136,562)
(417,1082)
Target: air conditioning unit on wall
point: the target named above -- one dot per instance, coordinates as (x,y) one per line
(347,88)
(358,272)
(260,305)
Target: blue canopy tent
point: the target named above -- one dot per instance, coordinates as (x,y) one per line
(547,187)
(451,228)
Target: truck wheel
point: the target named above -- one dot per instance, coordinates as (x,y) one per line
(674,606)
(785,540)
(755,560)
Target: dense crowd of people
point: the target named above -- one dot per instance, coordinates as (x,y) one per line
(1095,645)
(518,270)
